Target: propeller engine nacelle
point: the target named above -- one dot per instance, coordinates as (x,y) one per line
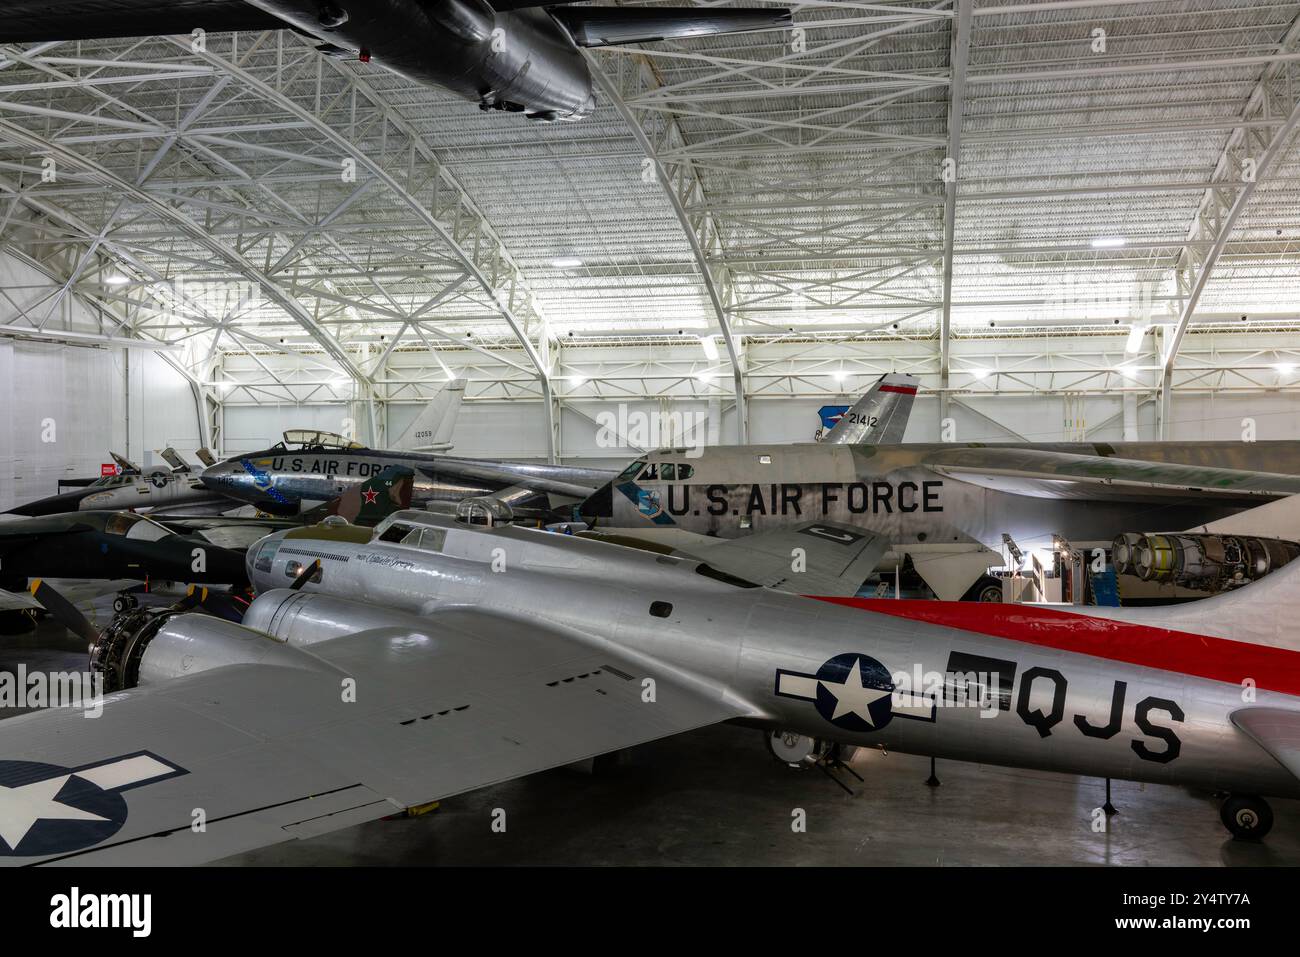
(146,646)
(301,619)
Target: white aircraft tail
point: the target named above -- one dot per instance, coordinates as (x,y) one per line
(431,429)
(880,416)
(1279,519)
(1261,613)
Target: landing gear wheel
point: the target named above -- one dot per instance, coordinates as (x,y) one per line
(124,603)
(1248,817)
(796,750)
(987,588)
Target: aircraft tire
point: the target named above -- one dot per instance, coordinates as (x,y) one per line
(987,589)
(1249,818)
(793,749)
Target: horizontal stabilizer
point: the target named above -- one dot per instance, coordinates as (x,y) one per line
(611,26)
(1276,730)
(815,558)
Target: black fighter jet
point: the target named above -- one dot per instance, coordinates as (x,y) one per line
(109,545)
(521,56)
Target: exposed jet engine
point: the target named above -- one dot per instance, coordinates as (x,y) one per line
(1211,563)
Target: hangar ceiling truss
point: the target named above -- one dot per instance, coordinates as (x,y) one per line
(310,230)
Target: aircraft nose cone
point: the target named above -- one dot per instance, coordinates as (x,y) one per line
(218,477)
(600,503)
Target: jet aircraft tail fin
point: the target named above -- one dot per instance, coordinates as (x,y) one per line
(372,501)
(432,428)
(1260,613)
(1278,519)
(880,416)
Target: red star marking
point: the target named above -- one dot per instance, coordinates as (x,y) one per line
(370,495)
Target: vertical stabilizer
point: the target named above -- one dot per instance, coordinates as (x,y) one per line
(431,430)
(880,416)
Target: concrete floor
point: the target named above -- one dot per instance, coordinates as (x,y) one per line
(715,796)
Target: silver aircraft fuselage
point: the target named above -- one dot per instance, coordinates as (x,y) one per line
(741,490)
(280,480)
(1106,695)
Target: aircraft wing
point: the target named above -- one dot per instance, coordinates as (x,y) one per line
(1276,730)
(261,753)
(610,26)
(1045,474)
(29,21)
(486,472)
(12,601)
(834,559)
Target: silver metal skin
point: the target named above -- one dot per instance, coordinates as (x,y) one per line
(1170,727)
(926,494)
(880,416)
(280,480)
(530,64)
(150,491)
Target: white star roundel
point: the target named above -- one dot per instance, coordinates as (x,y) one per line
(855,693)
(46,809)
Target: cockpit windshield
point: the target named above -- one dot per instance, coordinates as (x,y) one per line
(632,471)
(316,439)
(135,527)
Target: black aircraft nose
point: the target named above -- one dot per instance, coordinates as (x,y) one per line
(600,503)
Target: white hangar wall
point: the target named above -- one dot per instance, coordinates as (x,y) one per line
(1007,391)
(64,407)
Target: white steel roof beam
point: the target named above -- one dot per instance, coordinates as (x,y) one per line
(1246,159)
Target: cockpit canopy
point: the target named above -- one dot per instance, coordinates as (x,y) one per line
(135,527)
(317,439)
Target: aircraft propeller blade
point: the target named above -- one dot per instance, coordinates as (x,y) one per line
(63,610)
(225,605)
(305,575)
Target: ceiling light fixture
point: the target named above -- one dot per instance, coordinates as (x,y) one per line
(1134,343)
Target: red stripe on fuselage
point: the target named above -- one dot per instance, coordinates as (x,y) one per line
(1200,656)
(904,389)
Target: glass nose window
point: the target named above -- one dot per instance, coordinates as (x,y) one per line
(632,470)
